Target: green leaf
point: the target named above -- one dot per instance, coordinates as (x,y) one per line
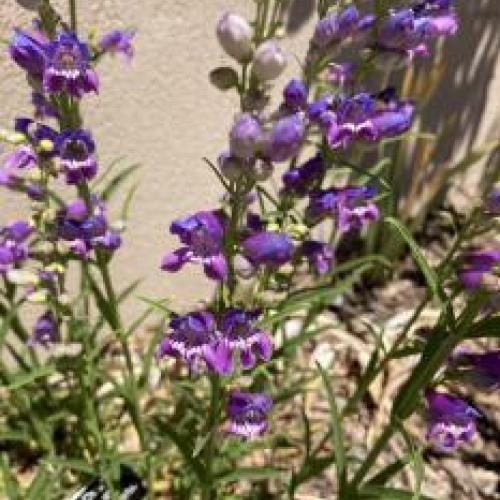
(20,380)
(387,473)
(224,78)
(71,464)
(127,202)
(430,275)
(115,182)
(157,304)
(381,493)
(299,340)
(40,485)
(488,327)
(9,479)
(337,434)
(249,474)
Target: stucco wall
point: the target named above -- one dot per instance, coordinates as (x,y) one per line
(161,111)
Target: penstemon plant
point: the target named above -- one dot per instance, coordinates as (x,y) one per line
(213,404)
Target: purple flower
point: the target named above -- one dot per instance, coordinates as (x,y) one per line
(118,42)
(22,157)
(336,26)
(86,229)
(67,68)
(410,29)
(351,206)
(317,108)
(305,178)
(13,247)
(341,73)
(43,108)
(190,337)
(247,413)
(238,334)
(320,255)
(492,203)
(475,265)
(45,331)
(481,369)
(203,237)
(268,248)
(295,94)
(77,153)
(28,50)
(451,420)
(245,136)
(285,139)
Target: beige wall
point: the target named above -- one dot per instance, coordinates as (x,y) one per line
(161,111)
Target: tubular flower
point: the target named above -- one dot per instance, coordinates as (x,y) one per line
(336,27)
(190,337)
(245,136)
(268,248)
(285,138)
(247,413)
(320,255)
(451,420)
(21,158)
(235,36)
(295,95)
(45,331)
(237,334)
(28,50)
(351,206)
(475,265)
(203,235)
(77,155)
(86,229)
(118,42)
(13,246)
(303,179)
(67,67)
(269,61)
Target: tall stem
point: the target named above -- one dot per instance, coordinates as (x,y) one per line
(73,16)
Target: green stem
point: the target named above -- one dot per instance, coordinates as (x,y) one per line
(73,15)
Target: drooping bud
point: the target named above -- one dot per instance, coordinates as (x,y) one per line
(245,136)
(269,61)
(235,36)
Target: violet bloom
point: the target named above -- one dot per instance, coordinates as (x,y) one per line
(247,413)
(77,153)
(475,265)
(481,369)
(203,237)
(239,335)
(451,420)
(336,26)
(320,255)
(28,50)
(13,244)
(341,73)
(86,229)
(410,29)
(190,337)
(303,179)
(295,94)
(67,68)
(245,136)
(285,138)
(21,158)
(118,42)
(351,206)
(43,108)
(45,331)
(492,203)
(268,248)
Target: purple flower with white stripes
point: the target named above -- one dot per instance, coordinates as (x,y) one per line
(247,413)
(203,237)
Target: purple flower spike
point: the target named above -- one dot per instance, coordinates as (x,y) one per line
(336,26)
(237,334)
(245,136)
(303,179)
(295,95)
(28,50)
(22,157)
(45,331)
(203,237)
(118,42)
(67,68)
(451,420)
(285,139)
(77,152)
(351,206)
(320,255)
(476,265)
(190,337)
(268,248)
(247,413)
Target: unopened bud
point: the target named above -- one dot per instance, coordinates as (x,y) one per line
(15,137)
(235,36)
(46,145)
(269,61)
(243,267)
(55,267)
(262,170)
(38,297)
(22,277)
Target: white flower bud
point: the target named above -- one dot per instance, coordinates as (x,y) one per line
(235,36)
(22,277)
(243,267)
(269,61)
